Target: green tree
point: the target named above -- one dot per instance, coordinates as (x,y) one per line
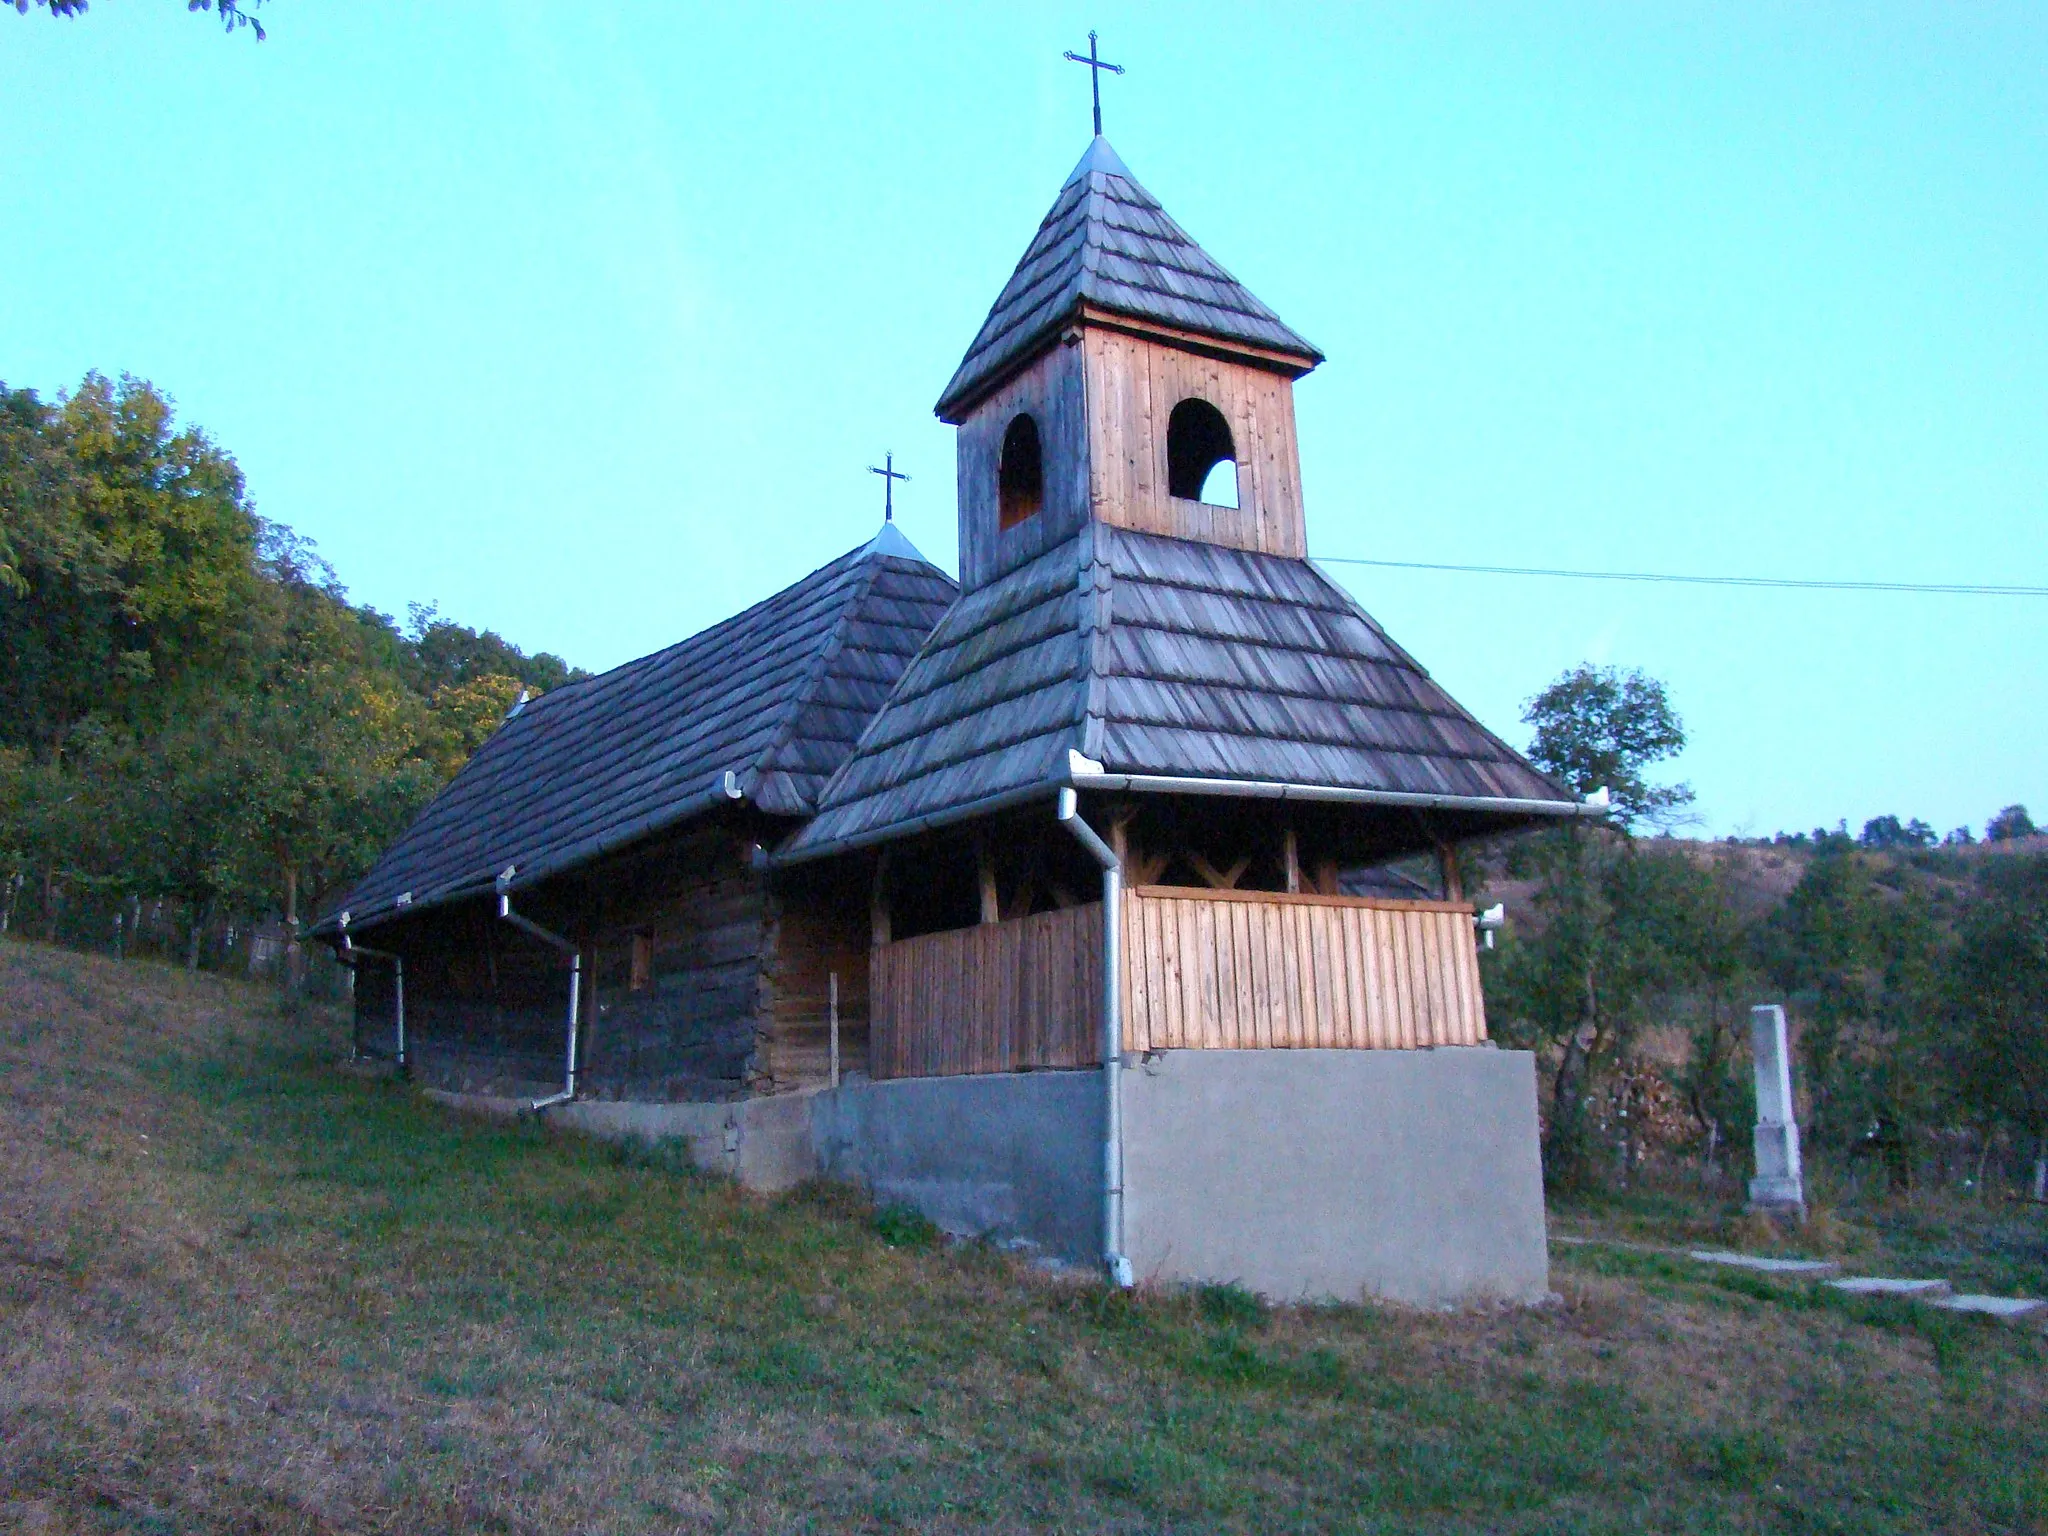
(1859,951)
(1999,998)
(1618,930)
(1603,728)
(191,708)
(133,551)
(1609,928)
(2011,823)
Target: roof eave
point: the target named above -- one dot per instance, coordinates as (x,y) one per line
(1148,783)
(531,874)
(968,391)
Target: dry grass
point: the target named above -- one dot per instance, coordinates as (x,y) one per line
(247,1292)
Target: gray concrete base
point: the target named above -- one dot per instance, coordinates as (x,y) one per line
(764,1143)
(1004,1154)
(1413,1176)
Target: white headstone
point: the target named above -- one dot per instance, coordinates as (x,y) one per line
(1778,1182)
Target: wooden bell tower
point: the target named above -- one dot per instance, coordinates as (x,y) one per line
(1124,377)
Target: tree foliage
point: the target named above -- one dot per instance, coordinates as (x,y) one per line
(1918,989)
(2008,825)
(234,14)
(1999,997)
(1602,728)
(191,708)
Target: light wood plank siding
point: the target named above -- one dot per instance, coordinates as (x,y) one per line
(1249,969)
(1133,385)
(1215,970)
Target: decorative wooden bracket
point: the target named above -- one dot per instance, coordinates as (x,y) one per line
(1218,879)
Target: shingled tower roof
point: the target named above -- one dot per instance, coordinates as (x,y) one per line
(1107,244)
(775,696)
(1171,660)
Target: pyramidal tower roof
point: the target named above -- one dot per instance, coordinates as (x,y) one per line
(1169,659)
(1108,244)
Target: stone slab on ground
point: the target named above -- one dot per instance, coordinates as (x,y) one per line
(1993,1306)
(1764,1265)
(1878,1285)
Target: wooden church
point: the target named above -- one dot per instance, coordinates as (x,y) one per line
(1032,900)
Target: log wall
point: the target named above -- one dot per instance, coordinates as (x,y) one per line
(1216,970)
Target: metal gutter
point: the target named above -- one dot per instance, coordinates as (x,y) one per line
(1114,1259)
(350,950)
(549,937)
(1083,775)
(1259,789)
(720,793)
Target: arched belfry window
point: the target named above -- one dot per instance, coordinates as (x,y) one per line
(1020,479)
(1201,461)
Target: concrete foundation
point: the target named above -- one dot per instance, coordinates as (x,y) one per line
(1412,1176)
(765,1143)
(1004,1154)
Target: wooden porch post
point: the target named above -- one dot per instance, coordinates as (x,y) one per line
(878,902)
(985,867)
(1447,867)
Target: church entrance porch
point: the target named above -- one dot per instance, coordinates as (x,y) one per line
(1202,970)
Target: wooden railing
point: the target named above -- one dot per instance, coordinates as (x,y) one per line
(1218,970)
(998,998)
(1242,970)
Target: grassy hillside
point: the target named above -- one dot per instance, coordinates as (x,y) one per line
(246,1291)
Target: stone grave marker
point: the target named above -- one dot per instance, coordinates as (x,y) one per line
(1778,1185)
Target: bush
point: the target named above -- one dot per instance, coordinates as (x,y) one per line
(905,1226)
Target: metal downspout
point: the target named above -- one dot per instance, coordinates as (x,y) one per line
(1114,1259)
(352,949)
(554,940)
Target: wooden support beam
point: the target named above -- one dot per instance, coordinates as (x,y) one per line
(1291,854)
(1142,868)
(878,902)
(985,867)
(1447,867)
(1326,878)
(1218,879)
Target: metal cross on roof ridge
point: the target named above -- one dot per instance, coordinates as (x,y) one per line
(890,475)
(1095,68)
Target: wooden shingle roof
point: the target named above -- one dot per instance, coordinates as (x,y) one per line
(775,696)
(1107,243)
(1165,658)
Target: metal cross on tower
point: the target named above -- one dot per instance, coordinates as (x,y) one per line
(890,475)
(1095,68)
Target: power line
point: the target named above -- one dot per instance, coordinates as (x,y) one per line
(1922,588)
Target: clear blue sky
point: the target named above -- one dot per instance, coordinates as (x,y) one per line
(584,321)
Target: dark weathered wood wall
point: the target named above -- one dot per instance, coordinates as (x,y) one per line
(486,1006)
(692,1030)
(1053,391)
